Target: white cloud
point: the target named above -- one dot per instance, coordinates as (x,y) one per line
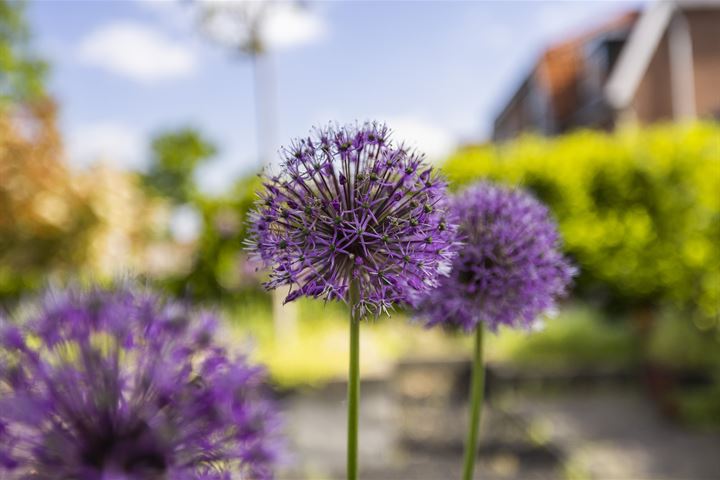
(283,25)
(113,143)
(291,26)
(435,141)
(137,51)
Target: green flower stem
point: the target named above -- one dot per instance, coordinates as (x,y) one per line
(476,400)
(353,399)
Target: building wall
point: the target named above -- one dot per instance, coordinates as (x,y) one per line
(513,119)
(705,35)
(528,111)
(653,99)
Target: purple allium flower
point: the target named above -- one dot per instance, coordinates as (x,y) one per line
(112,385)
(510,269)
(349,204)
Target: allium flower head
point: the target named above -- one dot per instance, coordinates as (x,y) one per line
(349,204)
(510,269)
(110,385)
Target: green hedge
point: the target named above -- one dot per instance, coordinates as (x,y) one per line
(639,209)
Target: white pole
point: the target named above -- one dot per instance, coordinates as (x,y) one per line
(682,74)
(285,317)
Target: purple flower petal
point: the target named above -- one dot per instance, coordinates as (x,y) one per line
(355,204)
(510,269)
(152,396)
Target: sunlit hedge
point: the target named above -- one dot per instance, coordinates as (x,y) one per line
(639,209)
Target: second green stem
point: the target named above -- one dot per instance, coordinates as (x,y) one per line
(476,401)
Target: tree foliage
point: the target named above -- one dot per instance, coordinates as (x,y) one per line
(44,217)
(22,73)
(219,268)
(58,223)
(176,154)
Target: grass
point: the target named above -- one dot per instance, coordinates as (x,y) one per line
(579,336)
(317,350)
(677,341)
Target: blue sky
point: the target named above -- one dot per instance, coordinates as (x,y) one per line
(437,72)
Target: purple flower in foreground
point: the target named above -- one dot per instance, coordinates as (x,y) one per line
(350,205)
(510,269)
(121,385)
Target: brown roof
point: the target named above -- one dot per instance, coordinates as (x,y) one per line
(560,66)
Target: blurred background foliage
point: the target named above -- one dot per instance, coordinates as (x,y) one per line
(56,223)
(45,217)
(176,154)
(219,269)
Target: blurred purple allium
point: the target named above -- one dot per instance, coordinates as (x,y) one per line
(349,204)
(510,269)
(123,385)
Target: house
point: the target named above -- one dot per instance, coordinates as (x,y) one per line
(660,64)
